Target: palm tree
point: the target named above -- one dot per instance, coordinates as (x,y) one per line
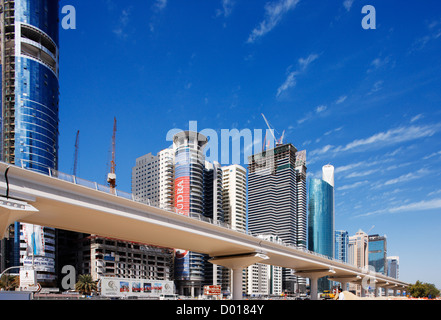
(85,284)
(9,283)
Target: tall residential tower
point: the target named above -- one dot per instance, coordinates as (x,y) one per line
(29,31)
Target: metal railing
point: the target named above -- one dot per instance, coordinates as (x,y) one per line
(118,193)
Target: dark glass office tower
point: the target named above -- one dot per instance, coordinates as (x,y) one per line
(378,253)
(29,101)
(277,201)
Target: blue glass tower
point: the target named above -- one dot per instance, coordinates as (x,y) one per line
(321,222)
(30,98)
(30,89)
(378,253)
(321,217)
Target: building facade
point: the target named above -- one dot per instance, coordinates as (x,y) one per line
(277,200)
(393,267)
(321,236)
(29,115)
(321,217)
(341,245)
(358,254)
(263,280)
(197,191)
(234,205)
(378,253)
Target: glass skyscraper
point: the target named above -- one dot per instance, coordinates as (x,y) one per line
(341,245)
(321,217)
(321,237)
(29,106)
(377,256)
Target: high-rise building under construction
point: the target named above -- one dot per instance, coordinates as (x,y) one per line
(29,32)
(277,200)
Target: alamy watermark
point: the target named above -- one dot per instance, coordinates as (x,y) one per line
(369,21)
(69,21)
(228,146)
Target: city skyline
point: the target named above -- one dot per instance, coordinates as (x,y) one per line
(365,101)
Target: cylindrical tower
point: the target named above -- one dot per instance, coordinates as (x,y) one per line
(29,110)
(189,158)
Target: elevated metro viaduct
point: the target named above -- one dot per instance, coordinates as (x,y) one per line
(50,200)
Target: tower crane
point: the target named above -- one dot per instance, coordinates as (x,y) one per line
(279,141)
(111,176)
(77,141)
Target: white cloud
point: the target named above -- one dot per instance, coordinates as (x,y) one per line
(407,177)
(416,118)
(432,155)
(274,13)
(122,23)
(351,186)
(320,151)
(361,173)
(320,109)
(160,5)
(341,99)
(381,139)
(290,80)
(419,206)
(348,4)
(304,63)
(393,136)
(227,8)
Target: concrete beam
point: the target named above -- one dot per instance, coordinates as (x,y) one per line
(13,210)
(239,261)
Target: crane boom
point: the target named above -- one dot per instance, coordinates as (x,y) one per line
(269,127)
(77,142)
(111,177)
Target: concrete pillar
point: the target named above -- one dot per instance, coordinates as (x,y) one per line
(344,286)
(313,285)
(395,293)
(237,284)
(237,263)
(362,291)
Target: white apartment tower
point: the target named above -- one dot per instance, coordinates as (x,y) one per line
(358,254)
(234,205)
(234,181)
(263,279)
(152,179)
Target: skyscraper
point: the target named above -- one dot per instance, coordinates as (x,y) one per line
(29,111)
(378,253)
(321,217)
(393,267)
(197,191)
(234,200)
(341,245)
(321,237)
(277,199)
(358,249)
(234,205)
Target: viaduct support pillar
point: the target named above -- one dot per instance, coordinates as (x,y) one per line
(313,276)
(237,263)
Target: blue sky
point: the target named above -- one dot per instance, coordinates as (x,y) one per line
(366,101)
